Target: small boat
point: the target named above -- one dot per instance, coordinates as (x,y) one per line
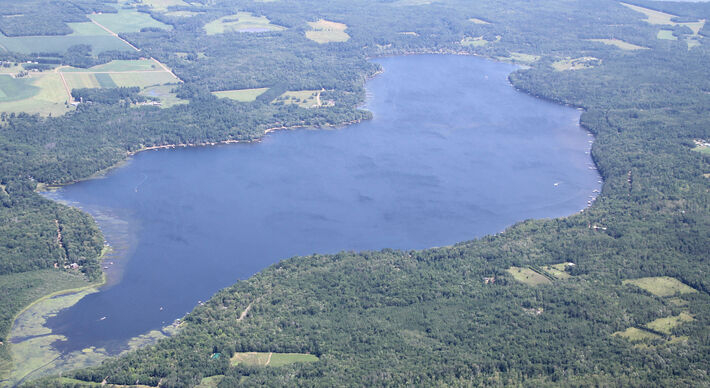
(557,184)
(102,318)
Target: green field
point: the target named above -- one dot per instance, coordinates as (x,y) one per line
(162,5)
(143,79)
(127,20)
(119,73)
(661,285)
(575,63)
(666,35)
(634,334)
(58,44)
(528,276)
(558,270)
(525,58)
(240,22)
(302,98)
(271,359)
(87,29)
(324,31)
(665,325)
(165,94)
(210,382)
(241,95)
(118,66)
(619,43)
(182,14)
(43,93)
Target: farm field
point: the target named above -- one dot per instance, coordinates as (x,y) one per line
(271,359)
(241,95)
(661,285)
(165,94)
(162,5)
(87,29)
(42,93)
(127,20)
(557,270)
(528,276)
(324,31)
(119,73)
(118,65)
(57,44)
(619,43)
(241,22)
(661,18)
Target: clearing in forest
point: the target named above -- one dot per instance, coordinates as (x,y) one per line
(241,22)
(576,63)
(165,94)
(525,58)
(241,95)
(324,31)
(127,20)
(477,41)
(162,5)
(661,285)
(666,35)
(665,325)
(661,18)
(558,271)
(303,98)
(619,43)
(634,334)
(528,276)
(271,359)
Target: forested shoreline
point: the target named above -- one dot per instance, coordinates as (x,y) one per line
(410,317)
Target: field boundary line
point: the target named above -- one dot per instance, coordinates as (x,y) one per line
(114,34)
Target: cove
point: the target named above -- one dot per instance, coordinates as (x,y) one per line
(453,152)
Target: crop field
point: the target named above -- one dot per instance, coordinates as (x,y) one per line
(665,325)
(661,18)
(324,31)
(528,276)
(271,359)
(619,43)
(118,66)
(241,95)
(241,22)
(143,79)
(127,20)
(575,63)
(119,73)
(165,94)
(42,93)
(56,44)
(661,285)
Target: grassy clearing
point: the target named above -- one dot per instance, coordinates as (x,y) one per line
(210,382)
(271,359)
(478,21)
(652,16)
(143,79)
(634,334)
(241,22)
(87,29)
(56,44)
(241,95)
(162,5)
(324,31)
(620,44)
(558,270)
(528,276)
(477,41)
(182,14)
(666,35)
(51,96)
(661,285)
(303,98)
(576,63)
(118,66)
(665,325)
(525,58)
(127,20)
(165,94)
(12,69)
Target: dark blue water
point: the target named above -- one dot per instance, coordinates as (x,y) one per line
(453,153)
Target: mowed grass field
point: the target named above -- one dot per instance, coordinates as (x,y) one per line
(241,95)
(661,285)
(324,31)
(42,93)
(528,276)
(271,359)
(164,94)
(241,22)
(127,20)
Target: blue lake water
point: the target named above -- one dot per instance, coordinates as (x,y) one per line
(454,152)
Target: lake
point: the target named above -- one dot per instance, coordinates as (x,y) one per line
(454,152)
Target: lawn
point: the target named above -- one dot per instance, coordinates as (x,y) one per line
(324,31)
(528,276)
(619,43)
(661,285)
(241,95)
(271,359)
(127,20)
(241,22)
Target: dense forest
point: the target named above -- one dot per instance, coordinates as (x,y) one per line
(423,318)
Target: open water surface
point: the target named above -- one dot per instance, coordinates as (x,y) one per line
(454,152)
